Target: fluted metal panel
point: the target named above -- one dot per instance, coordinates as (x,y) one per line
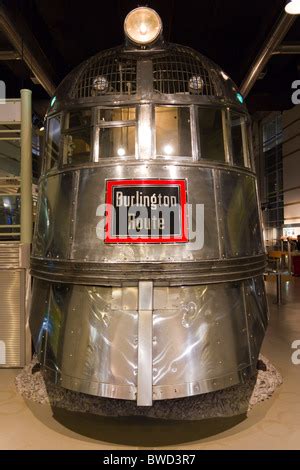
(12,328)
(9,255)
(92,338)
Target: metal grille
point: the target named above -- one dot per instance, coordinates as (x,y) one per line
(118,70)
(11,318)
(179,68)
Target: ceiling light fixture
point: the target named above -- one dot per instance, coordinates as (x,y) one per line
(293,7)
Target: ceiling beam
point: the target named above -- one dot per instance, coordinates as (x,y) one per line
(9,55)
(287,49)
(37,66)
(271,44)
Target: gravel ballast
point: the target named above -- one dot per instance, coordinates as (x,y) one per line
(233,401)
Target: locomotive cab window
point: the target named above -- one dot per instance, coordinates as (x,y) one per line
(77,137)
(173,131)
(211,124)
(239,140)
(116,133)
(53,141)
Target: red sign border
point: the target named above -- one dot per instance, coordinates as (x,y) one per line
(110,184)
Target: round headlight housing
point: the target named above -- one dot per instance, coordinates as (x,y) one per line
(100,84)
(143,25)
(196,83)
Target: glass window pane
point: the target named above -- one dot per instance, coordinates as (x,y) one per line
(210,128)
(53,140)
(81,118)
(237,139)
(10,207)
(117,142)
(77,146)
(173,131)
(116,114)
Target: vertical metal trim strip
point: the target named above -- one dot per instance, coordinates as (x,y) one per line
(216,183)
(246,321)
(145,344)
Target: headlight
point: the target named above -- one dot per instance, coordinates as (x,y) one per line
(142,25)
(196,83)
(100,84)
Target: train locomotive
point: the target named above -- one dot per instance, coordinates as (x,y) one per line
(148,256)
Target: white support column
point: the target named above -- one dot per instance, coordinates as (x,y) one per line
(26,167)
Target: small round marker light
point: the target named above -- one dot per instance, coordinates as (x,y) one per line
(196,83)
(52,102)
(240,98)
(100,84)
(142,25)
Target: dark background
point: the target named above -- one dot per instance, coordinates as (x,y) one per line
(230,32)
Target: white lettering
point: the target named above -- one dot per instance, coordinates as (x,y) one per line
(296,354)
(296,94)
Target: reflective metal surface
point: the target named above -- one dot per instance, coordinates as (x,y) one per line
(93,339)
(148,321)
(145,375)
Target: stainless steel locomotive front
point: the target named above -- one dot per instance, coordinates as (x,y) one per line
(148,319)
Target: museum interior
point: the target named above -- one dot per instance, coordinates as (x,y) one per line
(149,225)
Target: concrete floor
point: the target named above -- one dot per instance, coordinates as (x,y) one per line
(275,424)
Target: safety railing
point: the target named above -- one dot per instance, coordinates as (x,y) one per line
(10,208)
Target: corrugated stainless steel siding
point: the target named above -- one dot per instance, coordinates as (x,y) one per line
(12,317)
(9,255)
